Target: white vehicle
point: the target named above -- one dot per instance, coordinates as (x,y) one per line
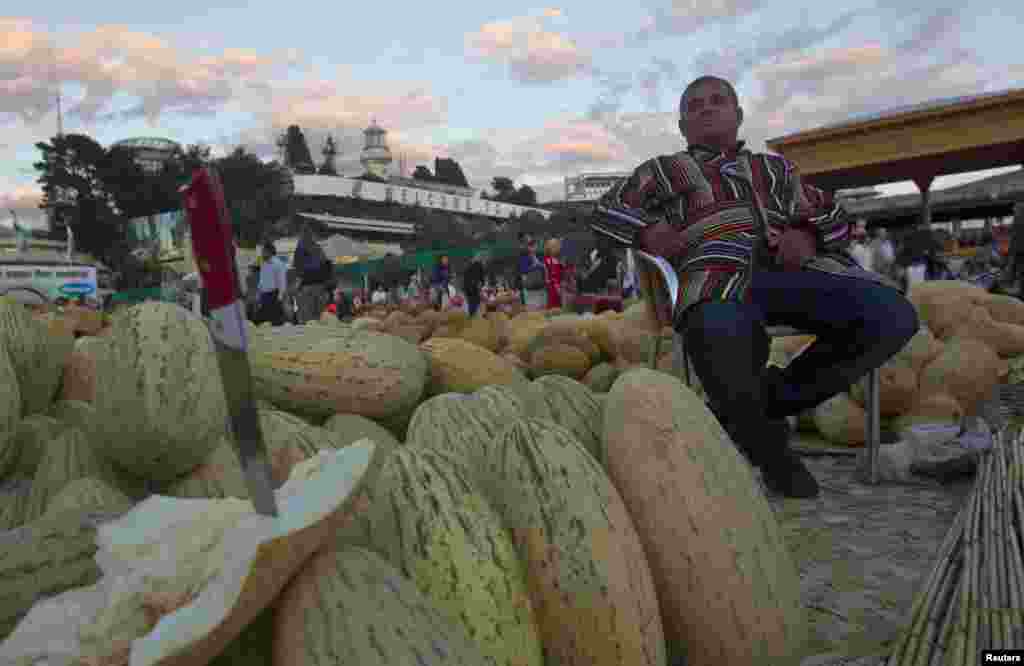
(41,281)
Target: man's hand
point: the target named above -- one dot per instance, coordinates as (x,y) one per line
(795,247)
(661,239)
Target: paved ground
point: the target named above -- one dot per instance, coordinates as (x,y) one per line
(862,552)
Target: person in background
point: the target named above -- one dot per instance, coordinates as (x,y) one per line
(987,257)
(554,271)
(859,249)
(343,306)
(473,283)
(1014,275)
(314,269)
(531,277)
(440,281)
(379,297)
(271,286)
(883,254)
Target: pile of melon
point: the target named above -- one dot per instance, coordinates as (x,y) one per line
(966,346)
(507,491)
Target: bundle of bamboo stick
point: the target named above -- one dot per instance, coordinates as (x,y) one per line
(973,599)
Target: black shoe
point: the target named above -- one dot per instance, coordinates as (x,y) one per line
(786,475)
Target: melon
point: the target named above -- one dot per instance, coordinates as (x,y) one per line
(428,520)
(289,440)
(75,413)
(922,349)
(13,498)
(601,377)
(461,424)
(350,606)
(482,333)
(31,439)
(219,476)
(88,493)
(729,590)
(1006,309)
(572,405)
(897,387)
(841,420)
(161,410)
(930,409)
(967,369)
(336,370)
(67,457)
(1006,339)
(559,359)
(46,557)
(941,304)
(586,569)
(458,366)
(348,428)
(37,354)
(181,578)
(10,414)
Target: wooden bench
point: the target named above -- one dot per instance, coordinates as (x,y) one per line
(658,280)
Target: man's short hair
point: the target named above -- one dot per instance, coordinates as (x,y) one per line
(700,80)
(268,246)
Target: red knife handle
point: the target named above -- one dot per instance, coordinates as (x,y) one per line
(212,245)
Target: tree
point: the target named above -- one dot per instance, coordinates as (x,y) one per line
(255,193)
(72,173)
(503,188)
(525,196)
(449,172)
(297,155)
(438,230)
(422,173)
(329,151)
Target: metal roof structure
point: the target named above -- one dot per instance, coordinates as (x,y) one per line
(906,109)
(148,143)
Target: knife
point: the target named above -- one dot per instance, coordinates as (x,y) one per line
(206,211)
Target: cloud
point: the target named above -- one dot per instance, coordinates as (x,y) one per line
(532,53)
(24,200)
(682,18)
(116,60)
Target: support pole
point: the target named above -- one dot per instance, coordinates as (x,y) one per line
(924,185)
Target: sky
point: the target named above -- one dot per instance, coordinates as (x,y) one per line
(530,92)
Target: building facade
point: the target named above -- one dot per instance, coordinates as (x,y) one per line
(591,186)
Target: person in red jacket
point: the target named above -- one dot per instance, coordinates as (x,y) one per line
(553,272)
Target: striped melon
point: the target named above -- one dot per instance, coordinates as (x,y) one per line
(348,428)
(76,413)
(67,457)
(38,350)
(427,519)
(44,558)
(459,366)
(87,493)
(350,606)
(464,425)
(289,440)
(13,498)
(10,414)
(31,439)
(323,370)
(572,405)
(729,589)
(161,409)
(601,377)
(586,569)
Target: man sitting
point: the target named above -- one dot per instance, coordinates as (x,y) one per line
(753,247)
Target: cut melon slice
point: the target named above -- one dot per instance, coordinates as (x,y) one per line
(183,577)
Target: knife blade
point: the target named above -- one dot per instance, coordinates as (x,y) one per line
(212,245)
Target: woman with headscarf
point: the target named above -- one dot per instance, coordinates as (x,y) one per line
(473,283)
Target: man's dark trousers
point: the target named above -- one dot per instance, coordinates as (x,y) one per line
(271,309)
(858,325)
(473,301)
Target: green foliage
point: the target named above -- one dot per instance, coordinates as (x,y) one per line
(297,155)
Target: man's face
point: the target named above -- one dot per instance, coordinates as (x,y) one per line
(710,115)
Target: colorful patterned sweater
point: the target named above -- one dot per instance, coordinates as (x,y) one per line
(709,196)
